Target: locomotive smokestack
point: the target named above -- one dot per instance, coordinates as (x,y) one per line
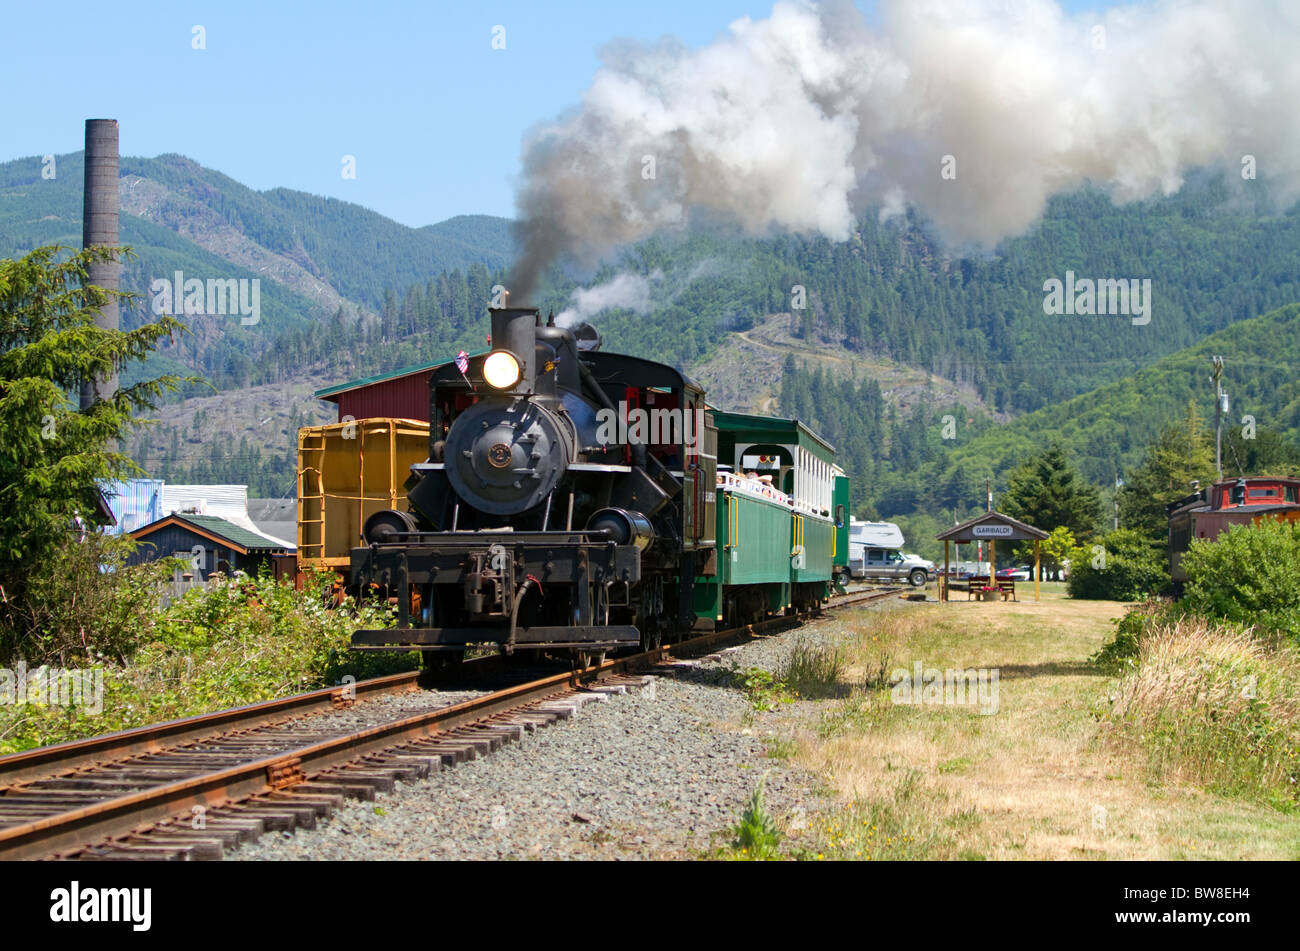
(99,229)
(515,329)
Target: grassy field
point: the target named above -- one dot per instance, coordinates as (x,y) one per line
(1040,778)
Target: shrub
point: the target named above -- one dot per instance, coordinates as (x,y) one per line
(231,642)
(83,604)
(1213,704)
(1250,574)
(1124,567)
(1121,652)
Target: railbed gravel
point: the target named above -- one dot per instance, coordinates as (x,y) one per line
(382,709)
(659,773)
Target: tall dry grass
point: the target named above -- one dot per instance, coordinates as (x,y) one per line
(873,653)
(814,671)
(1215,705)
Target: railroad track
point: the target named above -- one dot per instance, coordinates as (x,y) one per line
(188,789)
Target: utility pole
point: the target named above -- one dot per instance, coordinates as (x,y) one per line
(1219,400)
(1119,484)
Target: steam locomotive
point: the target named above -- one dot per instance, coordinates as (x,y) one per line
(573,500)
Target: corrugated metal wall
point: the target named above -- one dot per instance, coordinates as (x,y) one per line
(226,501)
(406,397)
(134,503)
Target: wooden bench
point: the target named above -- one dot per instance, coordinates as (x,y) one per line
(1006,587)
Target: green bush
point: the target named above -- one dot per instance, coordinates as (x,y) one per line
(83,604)
(1250,574)
(228,643)
(1121,566)
(1121,652)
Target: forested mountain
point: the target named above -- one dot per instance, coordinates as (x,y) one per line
(705,288)
(892,290)
(312,256)
(348,293)
(355,252)
(912,468)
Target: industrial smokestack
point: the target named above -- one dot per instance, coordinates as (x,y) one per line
(99,229)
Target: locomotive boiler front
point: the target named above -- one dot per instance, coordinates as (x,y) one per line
(505,454)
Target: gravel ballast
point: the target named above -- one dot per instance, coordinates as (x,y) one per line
(658,773)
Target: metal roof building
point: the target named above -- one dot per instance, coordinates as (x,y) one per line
(133,503)
(136,503)
(276,518)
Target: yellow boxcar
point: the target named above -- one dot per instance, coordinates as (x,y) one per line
(346,471)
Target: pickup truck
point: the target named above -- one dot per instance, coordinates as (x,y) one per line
(886,564)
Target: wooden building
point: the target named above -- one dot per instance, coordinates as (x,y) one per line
(403,394)
(210,542)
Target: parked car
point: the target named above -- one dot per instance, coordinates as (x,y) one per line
(887,564)
(1019,573)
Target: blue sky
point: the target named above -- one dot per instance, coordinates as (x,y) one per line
(415,91)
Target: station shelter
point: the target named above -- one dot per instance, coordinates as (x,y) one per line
(991,527)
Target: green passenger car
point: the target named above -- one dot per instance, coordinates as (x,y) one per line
(781,522)
(840,558)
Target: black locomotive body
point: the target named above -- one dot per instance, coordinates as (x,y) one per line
(542,519)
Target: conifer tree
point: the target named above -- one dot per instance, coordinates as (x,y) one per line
(1182,454)
(53,454)
(1048,492)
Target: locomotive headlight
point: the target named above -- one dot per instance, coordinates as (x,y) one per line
(501,369)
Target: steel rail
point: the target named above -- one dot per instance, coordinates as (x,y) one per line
(119,815)
(46,761)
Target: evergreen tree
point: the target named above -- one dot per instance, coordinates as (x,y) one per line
(52,453)
(1048,492)
(1263,452)
(1182,454)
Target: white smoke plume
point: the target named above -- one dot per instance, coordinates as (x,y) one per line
(628,291)
(974,111)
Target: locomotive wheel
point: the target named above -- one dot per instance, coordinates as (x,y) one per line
(585,659)
(652,636)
